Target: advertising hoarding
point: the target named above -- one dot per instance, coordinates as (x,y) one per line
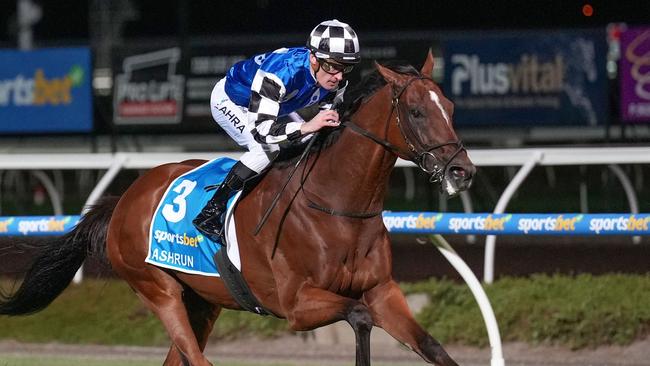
(529,78)
(635,75)
(45,91)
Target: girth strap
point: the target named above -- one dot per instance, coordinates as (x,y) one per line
(236,284)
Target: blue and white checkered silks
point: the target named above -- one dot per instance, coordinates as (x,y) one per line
(336,40)
(273,85)
(267,90)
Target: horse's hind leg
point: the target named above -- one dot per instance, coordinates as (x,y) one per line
(202,315)
(390,311)
(163,295)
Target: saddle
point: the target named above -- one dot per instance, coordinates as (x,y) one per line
(176,244)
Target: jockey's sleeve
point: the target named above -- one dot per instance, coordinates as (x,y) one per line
(295,117)
(266,92)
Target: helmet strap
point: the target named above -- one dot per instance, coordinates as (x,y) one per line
(317,64)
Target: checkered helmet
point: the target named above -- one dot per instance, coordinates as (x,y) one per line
(335,40)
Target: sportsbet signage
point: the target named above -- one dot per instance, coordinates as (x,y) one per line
(36,225)
(45,91)
(517,224)
(402,222)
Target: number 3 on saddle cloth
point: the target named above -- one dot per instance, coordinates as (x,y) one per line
(173,241)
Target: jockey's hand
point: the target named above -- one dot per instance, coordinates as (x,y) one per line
(324,118)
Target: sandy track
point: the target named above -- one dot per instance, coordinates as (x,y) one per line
(298,350)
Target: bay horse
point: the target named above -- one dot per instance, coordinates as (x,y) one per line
(323,255)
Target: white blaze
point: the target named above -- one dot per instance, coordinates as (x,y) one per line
(436,99)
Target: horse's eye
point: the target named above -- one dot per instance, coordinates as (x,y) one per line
(415,113)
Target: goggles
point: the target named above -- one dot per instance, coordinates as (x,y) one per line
(333,69)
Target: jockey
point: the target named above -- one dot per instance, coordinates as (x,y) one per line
(255,92)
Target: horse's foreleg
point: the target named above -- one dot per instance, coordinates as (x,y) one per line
(313,308)
(390,311)
(361,321)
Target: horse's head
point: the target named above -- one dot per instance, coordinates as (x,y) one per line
(424,129)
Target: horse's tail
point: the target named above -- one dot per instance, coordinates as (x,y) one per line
(58,260)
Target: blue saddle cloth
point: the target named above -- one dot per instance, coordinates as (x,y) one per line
(173,241)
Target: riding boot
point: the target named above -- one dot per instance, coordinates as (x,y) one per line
(210,220)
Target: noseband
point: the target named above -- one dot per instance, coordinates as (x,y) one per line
(423,157)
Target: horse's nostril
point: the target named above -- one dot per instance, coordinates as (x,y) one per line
(458,172)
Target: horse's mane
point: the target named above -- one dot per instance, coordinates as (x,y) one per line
(353,99)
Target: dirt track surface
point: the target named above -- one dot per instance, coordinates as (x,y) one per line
(298,350)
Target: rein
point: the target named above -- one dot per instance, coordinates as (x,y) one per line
(419,157)
(277,196)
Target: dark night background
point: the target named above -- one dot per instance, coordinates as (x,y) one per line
(69,20)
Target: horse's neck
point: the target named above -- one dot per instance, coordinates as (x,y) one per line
(353,173)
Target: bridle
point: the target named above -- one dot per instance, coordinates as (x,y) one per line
(418,156)
(423,157)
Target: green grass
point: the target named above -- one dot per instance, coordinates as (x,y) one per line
(99,312)
(580,311)
(108,312)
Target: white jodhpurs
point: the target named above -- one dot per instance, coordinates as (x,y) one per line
(234,120)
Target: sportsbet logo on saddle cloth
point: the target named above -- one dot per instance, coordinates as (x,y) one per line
(173,241)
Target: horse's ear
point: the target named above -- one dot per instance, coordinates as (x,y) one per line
(427,68)
(389,75)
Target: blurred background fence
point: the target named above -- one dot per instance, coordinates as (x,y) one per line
(88,104)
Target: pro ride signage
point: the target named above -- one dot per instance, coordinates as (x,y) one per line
(149,90)
(540,78)
(169,88)
(45,91)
